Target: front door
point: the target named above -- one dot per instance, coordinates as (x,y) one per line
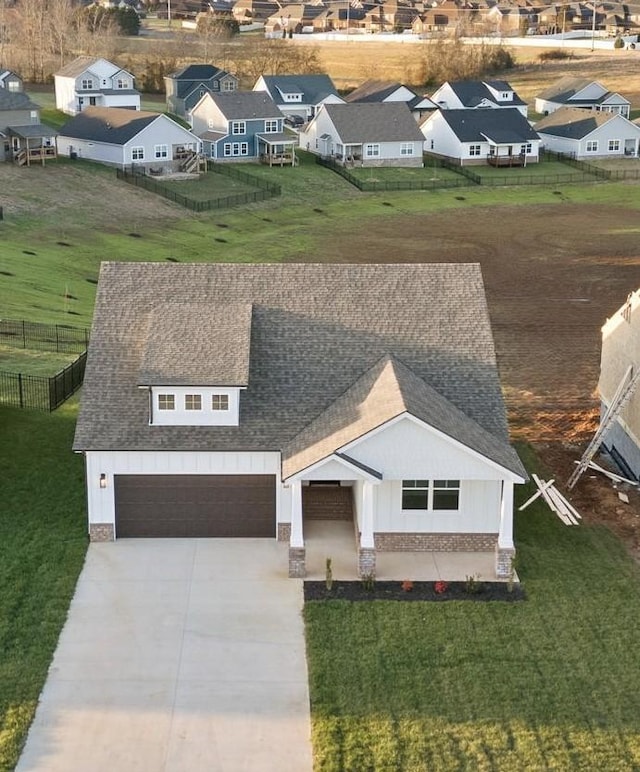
(630,147)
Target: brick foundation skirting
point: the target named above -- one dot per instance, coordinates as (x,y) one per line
(284,531)
(101,532)
(297,563)
(435,542)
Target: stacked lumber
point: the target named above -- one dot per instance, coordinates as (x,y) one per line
(555,500)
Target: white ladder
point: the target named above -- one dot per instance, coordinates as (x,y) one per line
(620,398)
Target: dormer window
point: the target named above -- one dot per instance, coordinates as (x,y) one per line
(193,402)
(166,402)
(219,401)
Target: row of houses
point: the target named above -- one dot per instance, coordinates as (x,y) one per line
(419,16)
(380,123)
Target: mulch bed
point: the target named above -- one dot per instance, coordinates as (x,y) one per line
(424,591)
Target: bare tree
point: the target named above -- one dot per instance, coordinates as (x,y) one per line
(62,23)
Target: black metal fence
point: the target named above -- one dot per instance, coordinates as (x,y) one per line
(38,392)
(371,186)
(264,190)
(43,337)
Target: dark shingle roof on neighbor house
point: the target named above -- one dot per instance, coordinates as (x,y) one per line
(375,91)
(563,91)
(472,92)
(573,122)
(320,336)
(112,125)
(16,100)
(499,126)
(246,105)
(314,88)
(374,122)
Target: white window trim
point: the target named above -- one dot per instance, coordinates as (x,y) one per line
(475,150)
(430,488)
(232,149)
(160,151)
(195,398)
(407,148)
(271,127)
(238,127)
(137,153)
(617,144)
(372,150)
(222,398)
(591,146)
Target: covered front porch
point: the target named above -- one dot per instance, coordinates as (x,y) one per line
(33,143)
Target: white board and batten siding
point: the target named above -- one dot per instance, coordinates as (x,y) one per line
(101,503)
(113,155)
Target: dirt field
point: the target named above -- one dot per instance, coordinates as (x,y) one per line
(552,274)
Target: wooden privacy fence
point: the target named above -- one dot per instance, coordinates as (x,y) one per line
(39,392)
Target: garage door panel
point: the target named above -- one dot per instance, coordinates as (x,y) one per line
(195,505)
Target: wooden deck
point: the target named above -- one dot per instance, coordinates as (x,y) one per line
(506,160)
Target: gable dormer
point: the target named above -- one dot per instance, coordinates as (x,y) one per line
(501,91)
(291,94)
(195,363)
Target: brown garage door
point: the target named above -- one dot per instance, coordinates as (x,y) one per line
(195,505)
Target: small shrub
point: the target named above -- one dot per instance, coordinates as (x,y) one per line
(441,587)
(328,575)
(618,43)
(555,54)
(407,585)
(471,585)
(368,582)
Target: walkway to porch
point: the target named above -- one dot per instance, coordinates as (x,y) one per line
(336,539)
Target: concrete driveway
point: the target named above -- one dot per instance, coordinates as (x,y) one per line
(178,656)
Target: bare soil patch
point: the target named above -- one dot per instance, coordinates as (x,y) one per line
(553,274)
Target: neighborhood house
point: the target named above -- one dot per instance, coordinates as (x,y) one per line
(583,93)
(87,82)
(221,400)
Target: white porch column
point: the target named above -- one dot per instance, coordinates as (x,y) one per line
(505,550)
(367,550)
(297,563)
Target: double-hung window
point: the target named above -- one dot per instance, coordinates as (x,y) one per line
(193,402)
(406,148)
(431,495)
(238,127)
(166,402)
(270,127)
(592,146)
(219,401)
(372,150)
(160,151)
(475,150)
(614,145)
(137,154)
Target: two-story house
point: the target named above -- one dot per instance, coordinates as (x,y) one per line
(301,95)
(186,87)
(242,126)
(23,139)
(474,94)
(88,82)
(11,81)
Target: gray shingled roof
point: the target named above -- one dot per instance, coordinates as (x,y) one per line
(565,88)
(388,390)
(314,88)
(112,125)
(472,92)
(246,105)
(374,122)
(315,330)
(16,100)
(32,130)
(197,344)
(374,91)
(501,126)
(573,123)
(77,66)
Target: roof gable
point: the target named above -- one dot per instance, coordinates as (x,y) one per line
(507,125)
(111,125)
(314,88)
(373,122)
(245,105)
(576,123)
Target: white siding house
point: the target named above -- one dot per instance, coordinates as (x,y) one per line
(621,350)
(126,138)
(236,393)
(589,134)
(581,93)
(87,82)
(475,94)
(365,134)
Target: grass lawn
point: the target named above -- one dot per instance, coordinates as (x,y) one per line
(398,174)
(208,187)
(33,362)
(43,538)
(553,172)
(549,683)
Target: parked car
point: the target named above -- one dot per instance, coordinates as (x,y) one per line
(295,121)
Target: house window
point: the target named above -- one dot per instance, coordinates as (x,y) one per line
(166,402)
(228,85)
(475,149)
(614,145)
(210,123)
(592,146)
(34,116)
(446,494)
(86,83)
(193,402)
(526,149)
(271,126)
(137,154)
(13,85)
(372,150)
(219,401)
(122,83)
(406,148)
(160,151)
(236,148)
(433,144)
(238,127)
(415,494)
